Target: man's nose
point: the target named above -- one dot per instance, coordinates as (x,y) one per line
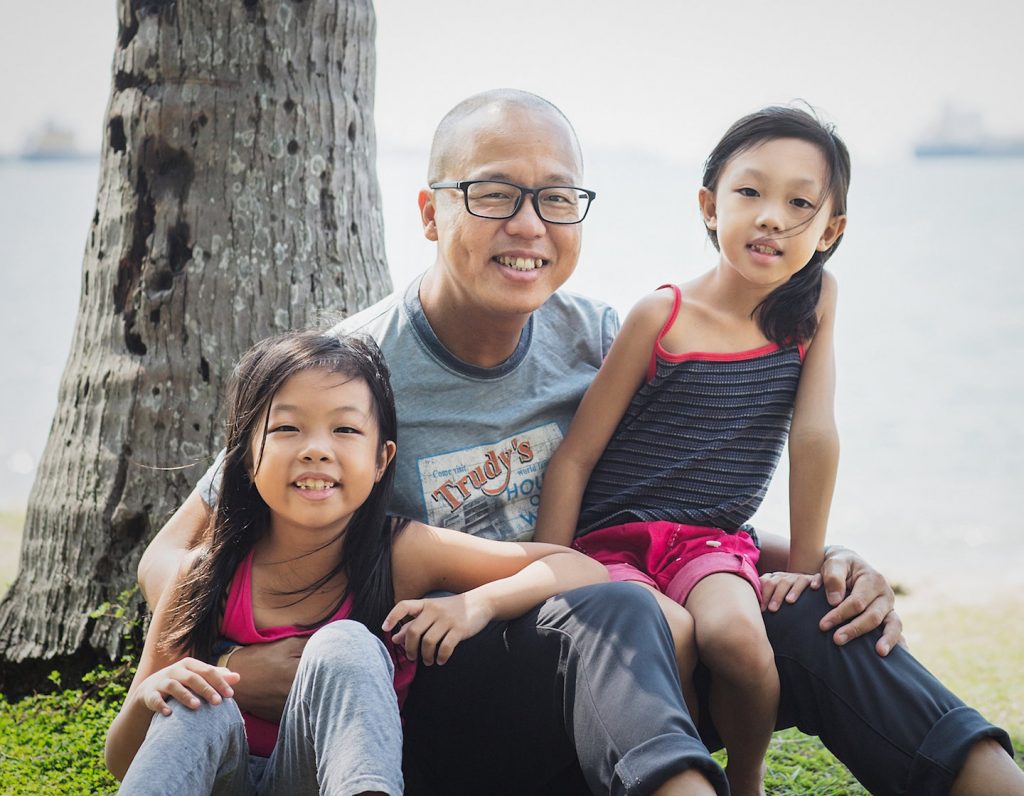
(526,222)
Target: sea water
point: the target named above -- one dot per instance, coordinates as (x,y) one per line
(929,335)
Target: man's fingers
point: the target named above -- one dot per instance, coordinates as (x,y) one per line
(767,590)
(864,622)
(834,573)
(846,610)
(892,634)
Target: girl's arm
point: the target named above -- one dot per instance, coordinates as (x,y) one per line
(814,442)
(498,580)
(159,677)
(599,413)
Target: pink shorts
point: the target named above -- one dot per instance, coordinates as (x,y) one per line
(671,557)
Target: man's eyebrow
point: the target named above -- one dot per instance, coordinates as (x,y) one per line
(548,179)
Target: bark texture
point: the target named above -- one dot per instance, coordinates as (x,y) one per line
(238,198)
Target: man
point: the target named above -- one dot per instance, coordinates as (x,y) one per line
(488,363)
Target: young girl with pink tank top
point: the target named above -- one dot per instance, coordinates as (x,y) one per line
(677,438)
(301,544)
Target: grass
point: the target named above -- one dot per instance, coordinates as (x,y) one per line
(53,743)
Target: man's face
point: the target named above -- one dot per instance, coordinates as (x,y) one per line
(508,266)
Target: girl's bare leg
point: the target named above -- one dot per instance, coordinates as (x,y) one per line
(681,624)
(744,696)
(988,769)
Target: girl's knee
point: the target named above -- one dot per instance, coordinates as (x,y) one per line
(205,721)
(739,646)
(344,644)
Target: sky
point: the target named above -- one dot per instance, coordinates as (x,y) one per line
(663,76)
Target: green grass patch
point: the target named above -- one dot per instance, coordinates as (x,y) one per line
(53,743)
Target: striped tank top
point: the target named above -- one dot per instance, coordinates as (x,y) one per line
(700,440)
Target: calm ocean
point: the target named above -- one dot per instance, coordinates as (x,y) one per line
(930,332)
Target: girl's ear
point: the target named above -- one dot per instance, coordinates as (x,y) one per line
(387,453)
(835,228)
(706,200)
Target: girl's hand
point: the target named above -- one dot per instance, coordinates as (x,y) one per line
(780,587)
(183,681)
(431,628)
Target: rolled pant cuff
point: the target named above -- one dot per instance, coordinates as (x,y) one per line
(648,766)
(944,749)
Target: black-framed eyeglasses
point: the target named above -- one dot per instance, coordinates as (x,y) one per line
(556,204)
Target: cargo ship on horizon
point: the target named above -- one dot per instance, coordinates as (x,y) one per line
(962,133)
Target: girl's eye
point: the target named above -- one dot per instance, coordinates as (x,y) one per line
(282,427)
(746,192)
(346,430)
(803,204)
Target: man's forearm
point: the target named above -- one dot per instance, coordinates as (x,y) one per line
(266,673)
(162,559)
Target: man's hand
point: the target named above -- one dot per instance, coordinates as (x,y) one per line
(267,672)
(861,598)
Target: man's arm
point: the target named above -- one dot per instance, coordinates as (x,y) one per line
(162,560)
(860,596)
(266,670)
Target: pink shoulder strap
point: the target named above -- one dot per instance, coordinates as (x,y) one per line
(652,366)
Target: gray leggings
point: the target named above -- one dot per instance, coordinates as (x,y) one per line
(340,732)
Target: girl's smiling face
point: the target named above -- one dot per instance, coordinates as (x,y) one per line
(320,457)
(770,210)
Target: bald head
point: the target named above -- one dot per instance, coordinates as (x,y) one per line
(488,108)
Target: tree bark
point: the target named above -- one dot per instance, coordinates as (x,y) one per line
(237,198)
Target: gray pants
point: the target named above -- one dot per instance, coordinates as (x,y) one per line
(340,732)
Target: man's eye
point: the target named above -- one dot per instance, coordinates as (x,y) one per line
(491,192)
(558,197)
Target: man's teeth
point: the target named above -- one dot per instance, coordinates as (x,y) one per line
(307,484)
(521,263)
(762,249)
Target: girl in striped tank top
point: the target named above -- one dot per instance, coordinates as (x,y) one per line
(675,442)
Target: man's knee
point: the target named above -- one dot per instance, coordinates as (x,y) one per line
(613,606)
(794,630)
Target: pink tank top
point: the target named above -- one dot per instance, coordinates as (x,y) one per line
(239,627)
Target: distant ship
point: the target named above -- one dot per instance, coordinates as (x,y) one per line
(52,142)
(961,133)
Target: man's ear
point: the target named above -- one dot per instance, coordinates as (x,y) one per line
(708,210)
(835,228)
(427,212)
(387,453)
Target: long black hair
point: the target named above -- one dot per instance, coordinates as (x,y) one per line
(787,315)
(241,517)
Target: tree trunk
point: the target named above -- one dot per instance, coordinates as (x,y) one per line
(238,198)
